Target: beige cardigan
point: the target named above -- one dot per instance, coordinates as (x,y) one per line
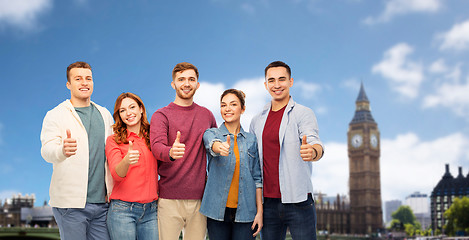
(69,182)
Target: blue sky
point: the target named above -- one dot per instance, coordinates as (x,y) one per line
(411,55)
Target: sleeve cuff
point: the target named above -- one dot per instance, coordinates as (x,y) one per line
(210,148)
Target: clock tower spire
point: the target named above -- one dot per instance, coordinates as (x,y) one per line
(364,169)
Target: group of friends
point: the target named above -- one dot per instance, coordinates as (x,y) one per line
(120,176)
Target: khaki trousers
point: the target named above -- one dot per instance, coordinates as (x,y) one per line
(176,215)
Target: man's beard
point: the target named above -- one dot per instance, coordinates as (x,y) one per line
(181,94)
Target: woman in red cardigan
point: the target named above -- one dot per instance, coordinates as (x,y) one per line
(133,210)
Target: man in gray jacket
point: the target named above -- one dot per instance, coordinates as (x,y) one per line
(288,143)
(73,137)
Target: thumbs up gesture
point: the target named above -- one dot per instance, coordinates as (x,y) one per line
(132,155)
(224,147)
(307,151)
(69,145)
(178,148)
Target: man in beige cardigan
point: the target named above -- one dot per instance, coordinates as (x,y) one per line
(73,137)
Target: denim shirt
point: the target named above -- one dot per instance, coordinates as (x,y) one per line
(294,173)
(220,174)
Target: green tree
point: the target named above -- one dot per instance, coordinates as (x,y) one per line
(397,225)
(457,216)
(404,219)
(427,232)
(405,215)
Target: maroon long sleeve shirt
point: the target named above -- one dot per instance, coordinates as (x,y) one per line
(182,178)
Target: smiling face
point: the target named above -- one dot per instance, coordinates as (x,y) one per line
(81,86)
(185,83)
(278,83)
(230,108)
(131,114)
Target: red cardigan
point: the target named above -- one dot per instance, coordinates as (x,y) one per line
(141,182)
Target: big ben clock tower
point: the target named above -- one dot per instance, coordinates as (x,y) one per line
(364,180)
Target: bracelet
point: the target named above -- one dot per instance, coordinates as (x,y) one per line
(315,151)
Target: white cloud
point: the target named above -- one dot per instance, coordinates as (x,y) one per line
(404,75)
(405,161)
(439,66)
(400,7)
(352,84)
(308,90)
(419,164)
(208,95)
(457,38)
(331,173)
(453,95)
(256,98)
(23,13)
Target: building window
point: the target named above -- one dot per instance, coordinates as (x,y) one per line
(446,206)
(438,207)
(446,199)
(439,223)
(439,215)
(438,199)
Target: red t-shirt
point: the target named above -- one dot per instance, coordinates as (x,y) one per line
(271,153)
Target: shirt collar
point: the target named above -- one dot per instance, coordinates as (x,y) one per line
(225,131)
(131,134)
(290,105)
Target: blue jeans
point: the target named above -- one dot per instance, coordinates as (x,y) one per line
(229,229)
(300,218)
(132,220)
(82,223)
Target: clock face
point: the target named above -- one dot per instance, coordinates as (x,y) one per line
(374,140)
(357,140)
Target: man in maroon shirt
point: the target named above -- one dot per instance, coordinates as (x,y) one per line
(176,133)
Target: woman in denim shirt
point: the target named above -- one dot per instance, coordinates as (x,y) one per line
(232,199)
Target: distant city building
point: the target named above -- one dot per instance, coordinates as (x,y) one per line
(20,211)
(332,213)
(443,195)
(389,208)
(420,205)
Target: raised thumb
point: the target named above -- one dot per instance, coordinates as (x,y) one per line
(304,140)
(69,134)
(178,137)
(228,139)
(131,146)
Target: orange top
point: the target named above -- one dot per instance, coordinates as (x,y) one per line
(234,188)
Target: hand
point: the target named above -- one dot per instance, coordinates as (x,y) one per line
(224,147)
(306,151)
(132,155)
(258,222)
(178,148)
(69,145)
